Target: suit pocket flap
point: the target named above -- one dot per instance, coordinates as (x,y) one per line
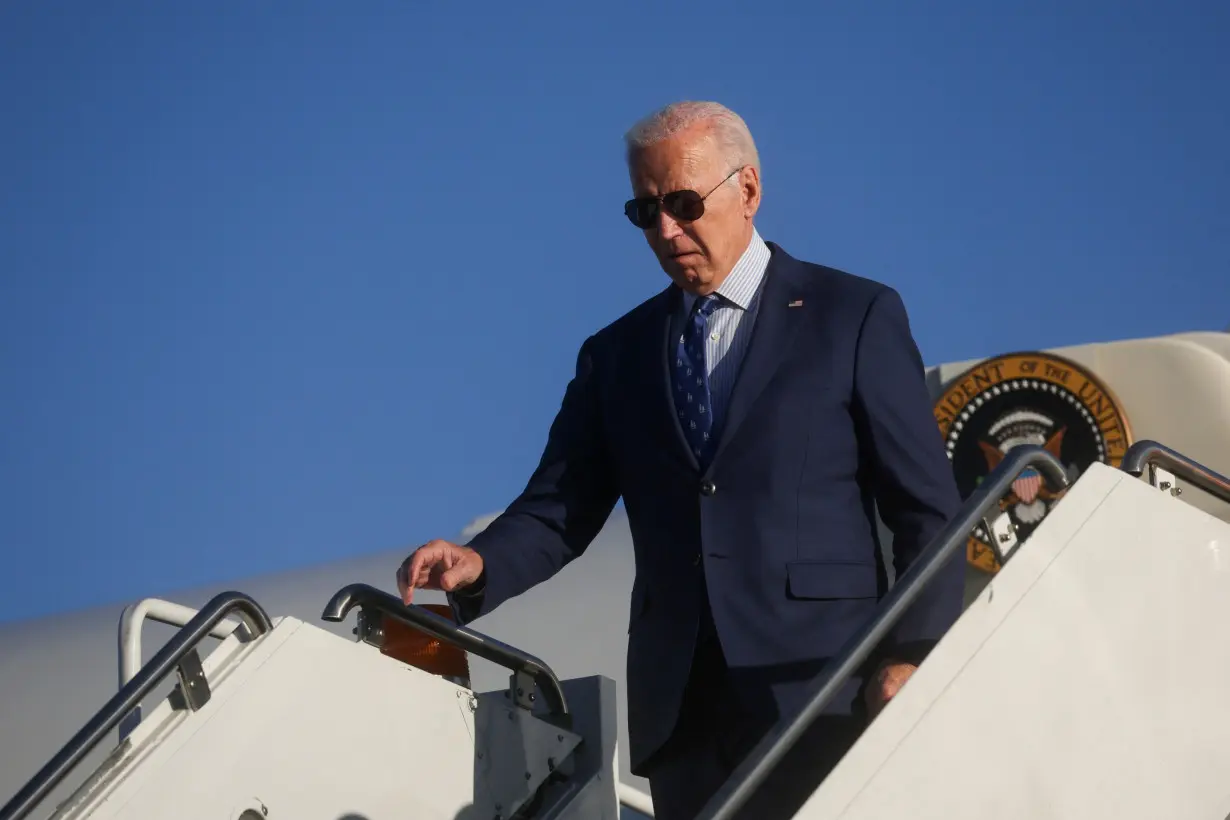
(831,579)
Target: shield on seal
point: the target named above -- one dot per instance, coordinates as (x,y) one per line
(1027,485)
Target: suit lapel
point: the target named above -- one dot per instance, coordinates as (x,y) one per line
(776,323)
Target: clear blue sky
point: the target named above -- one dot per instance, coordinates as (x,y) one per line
(282,282)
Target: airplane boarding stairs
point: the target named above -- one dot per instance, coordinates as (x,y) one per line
(1088,680)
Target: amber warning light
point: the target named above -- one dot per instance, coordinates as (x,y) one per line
(423,651)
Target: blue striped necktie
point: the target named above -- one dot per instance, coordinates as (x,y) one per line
(692,380)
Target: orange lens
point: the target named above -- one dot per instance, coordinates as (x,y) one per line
(423,651)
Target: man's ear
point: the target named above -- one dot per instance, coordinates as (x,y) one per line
(749,187)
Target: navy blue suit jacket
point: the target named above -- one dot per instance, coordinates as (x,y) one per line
(830,417)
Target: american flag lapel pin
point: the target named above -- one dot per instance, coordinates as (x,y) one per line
(796,303)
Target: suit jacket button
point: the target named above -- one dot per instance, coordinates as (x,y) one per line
(696,560)
(708,488)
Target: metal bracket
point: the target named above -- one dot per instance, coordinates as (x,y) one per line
(521,686)
(369,627)
(516,753)
(1164,480)
(193,684)
(1002,535)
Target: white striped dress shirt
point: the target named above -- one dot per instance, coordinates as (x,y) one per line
(729,328)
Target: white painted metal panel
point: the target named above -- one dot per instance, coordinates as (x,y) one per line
(1087,681)
(307,725)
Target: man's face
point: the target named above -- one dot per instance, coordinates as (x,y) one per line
(697,254)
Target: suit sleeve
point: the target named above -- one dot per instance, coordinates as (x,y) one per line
(564,505)
(903,451)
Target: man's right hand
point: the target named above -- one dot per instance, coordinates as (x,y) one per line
(438,565)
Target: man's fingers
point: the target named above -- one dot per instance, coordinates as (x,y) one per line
(427,568)
(888,681)
(402,586)
(435,573)
(405,582)
(454,577)
(424,559)
(408,575)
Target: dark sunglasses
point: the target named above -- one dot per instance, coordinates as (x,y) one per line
(687,206)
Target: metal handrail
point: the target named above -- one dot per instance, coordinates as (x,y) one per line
(1143,454)
(445,630)
(131,622)
(773,747)
(164,612)
(162,664)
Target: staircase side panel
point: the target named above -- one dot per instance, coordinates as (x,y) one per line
(309,726)
(1088,681)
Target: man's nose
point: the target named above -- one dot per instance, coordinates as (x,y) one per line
(668,228)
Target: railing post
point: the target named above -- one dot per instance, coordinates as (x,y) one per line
(364,595)
(1152,456)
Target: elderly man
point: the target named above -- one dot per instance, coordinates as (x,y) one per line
(752,415)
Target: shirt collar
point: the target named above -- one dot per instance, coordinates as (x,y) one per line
(740,285)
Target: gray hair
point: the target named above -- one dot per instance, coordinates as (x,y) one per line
(729,131)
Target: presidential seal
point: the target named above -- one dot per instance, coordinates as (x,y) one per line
(1026,398)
